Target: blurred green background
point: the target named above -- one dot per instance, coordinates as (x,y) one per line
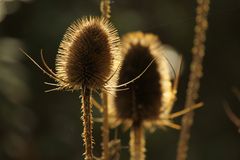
(46,126)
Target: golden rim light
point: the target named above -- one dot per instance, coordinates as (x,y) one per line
(166,96)
(88,54)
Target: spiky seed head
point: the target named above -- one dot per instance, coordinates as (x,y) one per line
(87,54)
(146,97)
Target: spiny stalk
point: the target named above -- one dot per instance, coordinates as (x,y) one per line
(87,123)
(137,143)
(86,59)
(105,128)
(105,8)
(198,52)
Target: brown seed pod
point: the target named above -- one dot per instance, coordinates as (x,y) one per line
(142,101)
(87,54)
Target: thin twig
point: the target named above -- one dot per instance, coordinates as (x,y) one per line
(231,115)
(198,52)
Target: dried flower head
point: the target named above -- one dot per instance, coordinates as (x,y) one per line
(87,60)
(149,99)
(149,96)
(87,54)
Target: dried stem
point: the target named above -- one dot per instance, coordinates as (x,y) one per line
(105,8)
(105,128)
(87,123)
(198,52)
(137,143)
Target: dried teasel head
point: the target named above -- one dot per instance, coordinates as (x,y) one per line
(149,96)
(86,61)
(88,54)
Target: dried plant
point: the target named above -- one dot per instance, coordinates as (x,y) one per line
(106,10)
(105,128)
(198,52)
(114,148)
(126,102)
(148,101)
(139,50)
(144,94)
(137,143)
(86,60)
(87,55)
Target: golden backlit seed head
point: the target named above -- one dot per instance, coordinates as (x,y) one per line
(147,96)
(88,54)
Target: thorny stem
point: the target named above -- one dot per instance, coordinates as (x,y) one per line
(137,143)
(105,8)
(105,128)
(87,123)
(198,52)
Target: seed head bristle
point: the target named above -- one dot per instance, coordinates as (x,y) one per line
(149,95)
(87,54)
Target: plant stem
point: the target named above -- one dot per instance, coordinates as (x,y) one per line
(87,123)
(137,138)
(198,52)
(137,143)
(105,8)
(105,128)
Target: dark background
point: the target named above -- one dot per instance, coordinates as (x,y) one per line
(46,126)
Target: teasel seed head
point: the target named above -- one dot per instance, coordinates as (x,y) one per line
(88,54)
(148,97)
